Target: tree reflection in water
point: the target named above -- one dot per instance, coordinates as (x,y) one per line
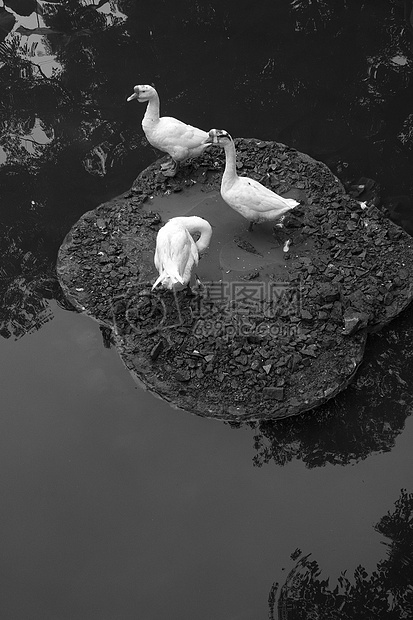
(386,594)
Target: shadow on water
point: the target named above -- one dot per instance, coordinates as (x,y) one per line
(330,79)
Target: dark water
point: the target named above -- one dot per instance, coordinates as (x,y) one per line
(113,504)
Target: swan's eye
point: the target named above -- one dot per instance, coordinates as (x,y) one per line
(223,135)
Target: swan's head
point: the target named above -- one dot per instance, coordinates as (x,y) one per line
(218,136)
(142,92)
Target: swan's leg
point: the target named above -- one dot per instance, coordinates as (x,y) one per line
(189,291)
(169,168)
(250,226)
(177,307)
(197,297)
(199,284)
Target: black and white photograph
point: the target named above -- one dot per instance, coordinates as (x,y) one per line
(206,327)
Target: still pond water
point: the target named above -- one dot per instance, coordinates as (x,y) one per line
(114,505)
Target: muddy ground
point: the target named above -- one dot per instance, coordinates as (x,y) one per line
(268,333)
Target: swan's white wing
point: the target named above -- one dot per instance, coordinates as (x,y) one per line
(173,134)
(183,252)
(251,194)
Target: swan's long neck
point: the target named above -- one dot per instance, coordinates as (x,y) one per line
(152,111)
(196,224)
(230,172)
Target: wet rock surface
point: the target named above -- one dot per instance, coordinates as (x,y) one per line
(261,337)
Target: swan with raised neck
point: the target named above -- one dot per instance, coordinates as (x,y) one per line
(170,135)
(247,196)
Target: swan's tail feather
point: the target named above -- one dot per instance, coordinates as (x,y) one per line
(291,202)
(168,279)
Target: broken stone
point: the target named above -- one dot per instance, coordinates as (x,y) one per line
(310,350)
(242,359)
(157,350)
(353,321)
(274,392)
(328,292)
(101,223)
(183,376)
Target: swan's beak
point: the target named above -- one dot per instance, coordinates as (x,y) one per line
(134,96)
(209,140)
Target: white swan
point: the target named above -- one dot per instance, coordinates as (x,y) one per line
(176,251)
(247,196)
(179,140)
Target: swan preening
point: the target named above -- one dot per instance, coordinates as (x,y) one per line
(247,196)
(177,252)
(179,140)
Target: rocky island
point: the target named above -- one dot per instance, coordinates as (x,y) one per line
(277,320)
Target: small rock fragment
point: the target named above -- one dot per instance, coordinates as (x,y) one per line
(310,350)
(328,292)
(353,321)
(157,350)
(183,376)
(307,316)
(274,392)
